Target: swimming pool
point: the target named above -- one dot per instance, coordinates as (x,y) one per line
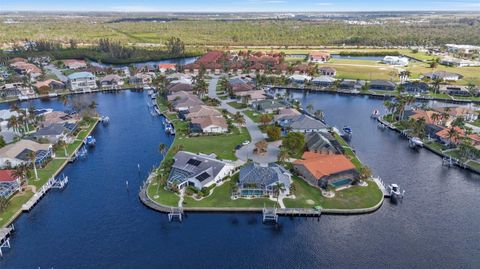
(341,182)
(251,193)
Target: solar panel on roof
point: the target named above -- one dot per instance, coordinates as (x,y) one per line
(202,176)
(194,162)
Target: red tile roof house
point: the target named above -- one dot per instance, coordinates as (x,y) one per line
(8,183)
(50,83)
(321,170)
(74,64)
(319,57)
(163,68)
(26,68)
(444,136)
(302,69)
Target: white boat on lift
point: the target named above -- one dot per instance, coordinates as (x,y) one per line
(415,142)
(375,114)
(395,193)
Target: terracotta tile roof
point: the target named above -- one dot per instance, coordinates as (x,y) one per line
(167,66)
(426,115)
(6,176)
(204,122)
(444,133)
(46,83)
(321,165)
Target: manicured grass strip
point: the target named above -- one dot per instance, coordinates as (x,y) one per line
(14,205)
(165,197)
(354,197)
(221,198)
(237,105)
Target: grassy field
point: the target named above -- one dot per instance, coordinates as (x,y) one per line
(237,105)
(165,197)
(255,115)
(307,196)
(15,204)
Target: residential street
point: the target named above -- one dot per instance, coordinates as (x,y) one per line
(246,152)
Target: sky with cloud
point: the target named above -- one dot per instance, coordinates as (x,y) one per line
(238,5)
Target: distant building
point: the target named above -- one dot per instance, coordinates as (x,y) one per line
(75,64)
(323,81)
(55,132)
(462,49)
(326,169)
(209,124)
(327,71)
(318,57)
(257,180)
(395,60)
(443,75)
(177,87)
(455,90)
(299,79)
(269,105)
(302,124)
(183,101)
(81,81)
(50,84)
(197,170)
(415,87)
(163,68)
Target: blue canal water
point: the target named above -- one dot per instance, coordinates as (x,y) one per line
(96,222)
(355,57)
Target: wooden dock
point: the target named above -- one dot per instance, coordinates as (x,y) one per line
(52,183)
(5,234)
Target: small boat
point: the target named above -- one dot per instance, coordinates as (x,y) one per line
(395,193)
(105,120)
(52,94)
(90,141)
(415,142)
(375,114)
(146,88)
(347,132)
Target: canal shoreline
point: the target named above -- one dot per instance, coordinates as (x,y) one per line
(440,154)
(56,173)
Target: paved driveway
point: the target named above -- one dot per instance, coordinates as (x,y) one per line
(57,72)
(246,152)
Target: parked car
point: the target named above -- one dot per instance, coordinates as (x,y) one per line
(246,142)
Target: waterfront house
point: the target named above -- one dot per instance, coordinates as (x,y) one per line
(182,101)
(11,90)
(56,117)
(18,153)
(323,81)
(467,114)
(462,49)
(241,84)
(350,84)
(302,124)
(455,90)
(163,68)
(111,81)
(259,180)
(395,60)
(321,170)
(197,170)
(444,136)
(269,105)
(74,64)
(286,114)
(322,142)
(382,85)
(55,132)
(318,56)
(140,79)
(250,97)
(202,111)
(209,124)
(49,84)
(443,76)
(415,87)
(8,183)
(327,71)
(299,79)
(81,81)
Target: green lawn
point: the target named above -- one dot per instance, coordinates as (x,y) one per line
(349,152)
(222,145)
(221,198)
(165,197)
(354,197)
(14,205)
(435,146)
(237,105)
(255,115)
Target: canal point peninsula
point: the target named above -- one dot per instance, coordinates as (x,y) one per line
(128,138)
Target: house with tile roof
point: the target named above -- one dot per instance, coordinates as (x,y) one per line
(183,101)
(202,111)
(8,183)
(74,64)
(318,56)
(260,180)
(197,170)
(209,124)
(321,170)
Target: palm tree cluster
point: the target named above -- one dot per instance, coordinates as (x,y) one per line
(397,108)
(25,117)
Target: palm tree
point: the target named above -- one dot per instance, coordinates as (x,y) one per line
(435,117)
(319,114)
(62,143)
(265,119)
(310,108)
(12,123)
(33,157)
(283,156)
(162,148)
(452,135)
(177,148)
(20,172)
(239,119)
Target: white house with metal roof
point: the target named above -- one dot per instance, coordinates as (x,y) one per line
(81,81)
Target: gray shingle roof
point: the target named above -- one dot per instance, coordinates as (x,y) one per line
(253,173)
(322,141)
(304,122)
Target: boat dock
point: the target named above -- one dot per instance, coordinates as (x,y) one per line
(5,234)
(52,183)
(382,187)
